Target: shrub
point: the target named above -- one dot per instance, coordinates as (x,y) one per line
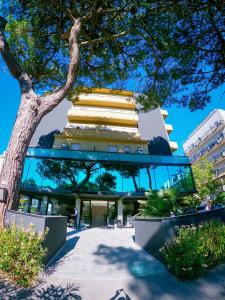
(21,254)
(195,249)
(160,203)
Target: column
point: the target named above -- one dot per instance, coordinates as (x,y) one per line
(120,210)
(78,206)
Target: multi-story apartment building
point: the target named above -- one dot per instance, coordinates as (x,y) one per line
(208,140)
(100,161)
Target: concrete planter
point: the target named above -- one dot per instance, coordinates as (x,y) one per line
(152,233)
(57,226)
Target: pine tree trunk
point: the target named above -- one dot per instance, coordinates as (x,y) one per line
(25,125)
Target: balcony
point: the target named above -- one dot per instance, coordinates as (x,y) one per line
(173,146)
(104,135)
(104,100)
(214,129)
(103,116)
(219,157)
(219,172)
(164,113)
(169,128)
(209,148)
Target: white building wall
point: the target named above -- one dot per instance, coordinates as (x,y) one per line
(208,140)
(56,119)
(214,116)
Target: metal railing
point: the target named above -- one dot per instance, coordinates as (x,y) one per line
(201,139)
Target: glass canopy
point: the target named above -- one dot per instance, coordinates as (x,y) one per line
(110,173)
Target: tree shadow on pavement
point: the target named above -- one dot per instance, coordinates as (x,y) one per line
(135,261)
(9,291)
(149,280)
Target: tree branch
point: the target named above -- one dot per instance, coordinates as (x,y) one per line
(105,38)
(64,9)
(90,14)
(52,100)
(15,69)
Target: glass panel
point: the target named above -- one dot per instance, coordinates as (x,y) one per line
(32,178)
(87,176)
(181,178)
(85,212)
(160,177)
(110,178)
(35,203)
(55,206)
(44,203)
(24,203)
(111,213)
(112,148)
(64,146)
(130,208)
(145,179)
(94,177)
(49,211)
(127,177)
(51,170)
(75,146)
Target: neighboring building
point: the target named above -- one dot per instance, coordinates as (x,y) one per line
(208,140)
(100,162)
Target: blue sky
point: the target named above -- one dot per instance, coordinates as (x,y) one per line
(182,119)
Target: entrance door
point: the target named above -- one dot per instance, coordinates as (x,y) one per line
(99,213)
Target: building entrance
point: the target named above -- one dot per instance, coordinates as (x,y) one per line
(96,213)
(99,213)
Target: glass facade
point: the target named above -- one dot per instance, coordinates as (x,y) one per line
(70,176)
(52,179)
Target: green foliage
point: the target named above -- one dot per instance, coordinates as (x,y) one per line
(219,199)
(204,179)
(170,47)
(21,255)
(106,181)
(195,250)
(160,203)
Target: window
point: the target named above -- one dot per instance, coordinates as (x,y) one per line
(140,150)
(75,146)
(113,148)
(64,146)
(220,138)
(127,149)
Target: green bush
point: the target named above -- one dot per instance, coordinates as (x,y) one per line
(161,203)
(195,249)
(21,254)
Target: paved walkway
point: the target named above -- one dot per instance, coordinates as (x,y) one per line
(106,264)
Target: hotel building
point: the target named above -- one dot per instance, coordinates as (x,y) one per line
(103,160)
(208,140)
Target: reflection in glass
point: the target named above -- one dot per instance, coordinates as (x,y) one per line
(86,212)
(24,204)
(34,206)
(93,177)
(111,213)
